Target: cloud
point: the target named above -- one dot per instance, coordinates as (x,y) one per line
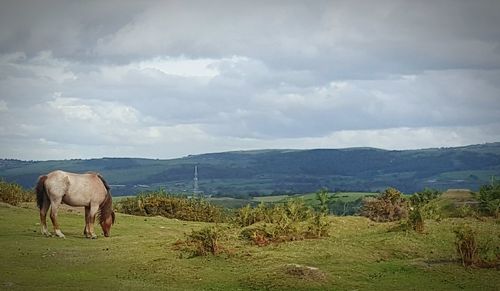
(171,78)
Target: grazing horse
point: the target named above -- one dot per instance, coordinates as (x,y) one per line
(89,190)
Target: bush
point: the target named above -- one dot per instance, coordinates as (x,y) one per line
(473,252)
(422,206)
(489,198)
(466,245)
(466,211)
(416,220)
(288,222)
(388,206)
(261,234)
(293,210)
(258,236)
(203,242)
(319,226)
(170,206)
(14,194)
(247,215)
(323,198)
(424,197)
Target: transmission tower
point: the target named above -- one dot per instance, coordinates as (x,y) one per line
(196,190)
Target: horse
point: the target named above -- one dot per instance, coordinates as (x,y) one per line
(89,190)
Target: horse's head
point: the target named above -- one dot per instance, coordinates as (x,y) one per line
(107,222)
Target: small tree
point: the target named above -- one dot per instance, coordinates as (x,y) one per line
(322,196)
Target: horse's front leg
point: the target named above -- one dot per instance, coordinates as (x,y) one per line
(92,214)
(53,217)
(86,229)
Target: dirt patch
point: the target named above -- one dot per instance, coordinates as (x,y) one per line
(305,272)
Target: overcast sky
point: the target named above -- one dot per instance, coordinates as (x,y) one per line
(163,79)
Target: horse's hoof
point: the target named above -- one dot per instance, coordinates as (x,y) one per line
(60,234)
(94,236)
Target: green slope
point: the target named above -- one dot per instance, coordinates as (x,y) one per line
(359,255)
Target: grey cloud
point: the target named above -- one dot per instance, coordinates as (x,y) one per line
(299,73)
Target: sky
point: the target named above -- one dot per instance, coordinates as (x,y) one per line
(166,79)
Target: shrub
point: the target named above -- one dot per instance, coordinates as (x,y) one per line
(164,204)
(484,252)
(203,242)
(322,197)
(14,194)
(424,197)
(319,226)
(466,211)
(260,234)
(422,206)
(416,220)
(388,206)
(466,245)
(489,198)
(288,222)
(293,210)
(247,215)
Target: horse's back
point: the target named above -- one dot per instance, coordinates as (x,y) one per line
(76,189)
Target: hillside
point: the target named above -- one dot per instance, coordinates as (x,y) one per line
(140,255)
(264,172)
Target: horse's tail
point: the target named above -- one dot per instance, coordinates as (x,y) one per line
(108,189)
(41,192)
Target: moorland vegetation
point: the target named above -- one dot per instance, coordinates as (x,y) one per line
(288,244)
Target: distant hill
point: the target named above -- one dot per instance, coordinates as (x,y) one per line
(263,172)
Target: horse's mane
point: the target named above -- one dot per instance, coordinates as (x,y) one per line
(106,206)
(103,181)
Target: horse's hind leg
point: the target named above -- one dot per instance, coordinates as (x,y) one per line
(53,217)
(43,217)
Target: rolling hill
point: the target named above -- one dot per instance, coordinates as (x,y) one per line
(263,172)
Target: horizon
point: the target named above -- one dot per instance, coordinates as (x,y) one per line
(166,79)
(253,150)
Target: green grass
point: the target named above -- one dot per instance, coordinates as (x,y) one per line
(228,202)
(269,199)
(311,199)
(359,255)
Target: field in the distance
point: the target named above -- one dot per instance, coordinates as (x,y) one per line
(359,255)
(309,199)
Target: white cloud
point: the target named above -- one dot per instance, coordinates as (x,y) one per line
(165,79)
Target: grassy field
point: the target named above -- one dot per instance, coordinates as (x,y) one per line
(310,199)
(140,255)
(268,199)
